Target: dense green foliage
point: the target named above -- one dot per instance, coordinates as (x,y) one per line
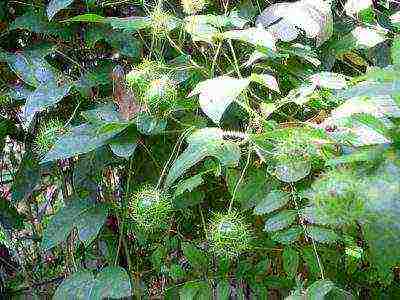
(193,149)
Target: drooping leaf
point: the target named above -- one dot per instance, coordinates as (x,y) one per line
(87,217)
(45,96)
(312,16)
(273,201)
(288,236)
(77,286)
(31,67)
(256,36)
(111,282)
(322,235)
(292,170)
(188,185)
(205,27)
(253,188)
(26,178)
(291,261)
(36,21)
(280,221)
(124,145)
(203,143)
(196,257)
(82,139)
(319,289)
(267,80)
(55,6)
(217,94)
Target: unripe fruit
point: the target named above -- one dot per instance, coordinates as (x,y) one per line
(229,235)
(151,209)
(160,98)
(191,7)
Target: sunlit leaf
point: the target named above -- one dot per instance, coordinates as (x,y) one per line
(267,80)
(312,16)
(329,80)
(217,94)
(319,289)
(203,143)
(354,7)
(256,36)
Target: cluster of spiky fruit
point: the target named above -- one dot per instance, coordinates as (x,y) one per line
(155,90)
(151,209)
(229,235)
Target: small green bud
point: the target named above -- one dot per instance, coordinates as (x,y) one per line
(229,235)
(151,209)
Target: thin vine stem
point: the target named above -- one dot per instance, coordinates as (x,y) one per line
(240,180)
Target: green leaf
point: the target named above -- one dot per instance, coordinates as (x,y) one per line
(253,188)
(45,96)
(291,259)
(217,94)
(87,217)
(322,235)
(26,178)
(36,21)
(292,170)
(266,80)
(83,139)
(203,143)
(196,257)
(395,51)
(31,67)
(319,289)
(55,6)
(205,27)
(130,24)
(288,236)
(223,290)
(111,282)
(10,219)
(195,290)
(89,18)
(273,201)
(314,17)
(150,125)
(354,7)
(124,145)
(77,286)
(188,185)
(280,221)
(256,36)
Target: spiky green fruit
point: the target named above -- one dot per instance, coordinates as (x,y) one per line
(337,195)
(229,235)
(160,97)
(47,135)
(151,209)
